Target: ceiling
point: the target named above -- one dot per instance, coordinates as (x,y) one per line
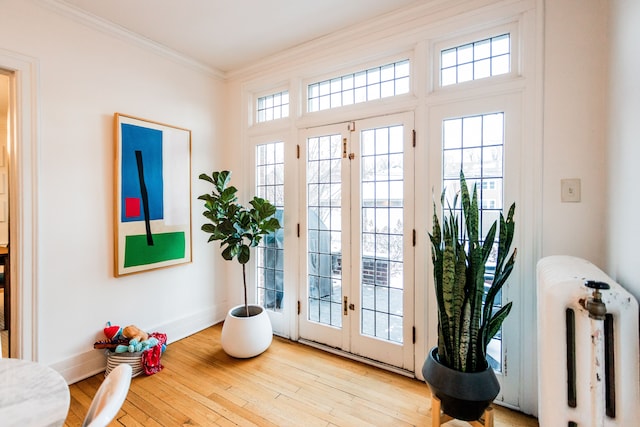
(230,34)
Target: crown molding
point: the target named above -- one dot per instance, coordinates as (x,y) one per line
(76,14)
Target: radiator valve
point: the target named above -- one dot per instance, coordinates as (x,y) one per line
(594,305)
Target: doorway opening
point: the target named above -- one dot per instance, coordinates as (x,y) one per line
(5,288)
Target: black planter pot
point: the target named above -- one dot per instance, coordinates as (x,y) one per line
(464,395)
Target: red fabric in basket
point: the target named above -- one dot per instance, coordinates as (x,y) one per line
(151,357)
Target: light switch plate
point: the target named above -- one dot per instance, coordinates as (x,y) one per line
(570,190)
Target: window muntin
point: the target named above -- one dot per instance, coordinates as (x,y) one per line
(270,251)
(374,83)
(272,107)
(475,144)
(477,60)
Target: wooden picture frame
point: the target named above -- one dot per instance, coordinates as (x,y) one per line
(152,178)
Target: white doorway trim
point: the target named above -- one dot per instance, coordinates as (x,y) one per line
(23,171)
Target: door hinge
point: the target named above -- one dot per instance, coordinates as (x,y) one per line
(298,151)
(414,137)
(413,332)
(414,237)
(298,308)
(298,230)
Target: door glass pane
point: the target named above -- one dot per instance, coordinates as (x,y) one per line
(324,227)
(381,181)
(476,144)
(270,251)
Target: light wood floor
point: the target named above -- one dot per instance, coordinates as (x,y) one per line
(289,385)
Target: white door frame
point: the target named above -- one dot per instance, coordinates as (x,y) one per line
(23,175)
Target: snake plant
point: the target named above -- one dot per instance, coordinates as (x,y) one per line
(466,318)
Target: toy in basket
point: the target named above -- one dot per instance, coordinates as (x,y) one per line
(133,346)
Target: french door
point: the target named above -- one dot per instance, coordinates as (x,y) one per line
(357,291)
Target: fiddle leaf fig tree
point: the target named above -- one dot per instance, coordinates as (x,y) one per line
(238,228)
(466,318)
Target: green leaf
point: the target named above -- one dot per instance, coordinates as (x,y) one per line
(205,177)
(243,254)
(496,322)
(208,228)
(465,338)
(227,227)
(228,195)
(221,179)
(272,224)
(499,279)
(488,242)
(227,253)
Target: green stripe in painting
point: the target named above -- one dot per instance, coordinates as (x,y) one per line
(166,246)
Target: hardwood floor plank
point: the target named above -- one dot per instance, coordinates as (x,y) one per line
(289,385)
(238,415)
(129,421)
(157,410)
(78,405)
(179,398)
(134,416)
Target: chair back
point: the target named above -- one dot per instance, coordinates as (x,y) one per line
(109,397)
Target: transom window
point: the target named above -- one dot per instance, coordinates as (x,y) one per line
(270,251)
(477,60)
(368,85)
(272,107)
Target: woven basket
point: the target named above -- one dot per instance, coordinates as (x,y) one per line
(133,359)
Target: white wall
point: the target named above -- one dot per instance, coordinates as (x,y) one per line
(575,127)
(85,75)
(624,146)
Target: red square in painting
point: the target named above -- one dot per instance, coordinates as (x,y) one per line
(131,207)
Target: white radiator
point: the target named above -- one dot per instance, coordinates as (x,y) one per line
(588,369)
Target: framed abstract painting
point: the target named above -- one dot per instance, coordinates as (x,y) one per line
(152,195)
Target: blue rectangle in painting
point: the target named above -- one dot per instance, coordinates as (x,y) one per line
(149,143)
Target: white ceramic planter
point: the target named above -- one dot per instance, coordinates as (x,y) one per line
(244,337)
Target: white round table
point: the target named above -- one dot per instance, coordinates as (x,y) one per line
(32,394)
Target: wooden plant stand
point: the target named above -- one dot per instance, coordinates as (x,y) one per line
(438,417)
